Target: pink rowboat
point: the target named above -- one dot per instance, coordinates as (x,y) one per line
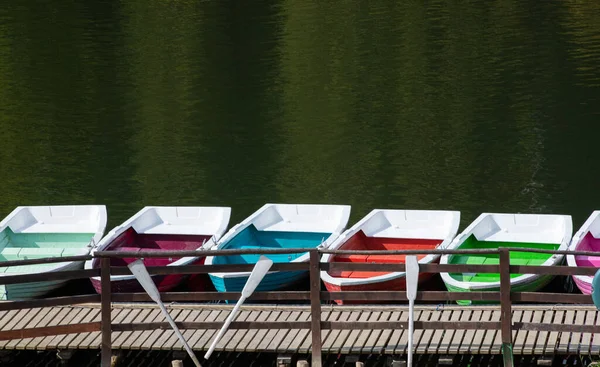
(586,239)
(162,229)
(383,230)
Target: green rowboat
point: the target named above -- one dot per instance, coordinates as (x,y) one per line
(37,232)
(492,231)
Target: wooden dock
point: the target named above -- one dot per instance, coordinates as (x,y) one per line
(298,341)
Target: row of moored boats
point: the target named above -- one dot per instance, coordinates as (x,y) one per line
(60,231)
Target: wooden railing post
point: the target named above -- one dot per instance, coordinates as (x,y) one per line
(315,307)
(106,317)
(505,307)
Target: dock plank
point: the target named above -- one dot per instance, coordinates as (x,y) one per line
(251,334)
(469,335)
(574,341)
(362,338)
(286,343)
(204,341)
(50,342)
(40,341)
(77,319)
(487,344)
(394,344)
(137,339)
(480,335)
(168,334)
(459,335)
(586,338)
(212,316)
(372,345)
(354,335)
(236,343)
(564,338)
(230,333)
(422,345)
(448,336)
(595,343)
(72,341)
(173,342)
(342,337)
(41,320)
(280,335)
(541,339)
(122,340)
(519,341)
(18,323)
(553,336)
(157,334)
(531,336)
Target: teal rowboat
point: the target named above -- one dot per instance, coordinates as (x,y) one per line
(492,231)
(36,232)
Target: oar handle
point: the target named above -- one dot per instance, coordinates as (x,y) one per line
(179,335)
(224,327)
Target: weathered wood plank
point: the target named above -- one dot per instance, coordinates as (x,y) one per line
(519,340)
(459,335)
(423,344)
(94,340)
(553,336)
(372,344)
(18,323)
(438,334)
(531,336)
(487,344)
(47,342)
(564,338)
(393,340)
(361,340)
(288,341)
(204,341)
(71,341)
(469,334)
(595,343)
(480,335)
(576,337)
(137,340)
(268,335)
(341,338)
(36,343)
(251,334)
(347,344)
(168,334)
(448,336)
(173,342)
(156,334)
(281,334)
(306,345)
(126,316)
(229,334)
(235,344)
(123,339)
(41,320)
(403,342)
(78,319)
(586,338)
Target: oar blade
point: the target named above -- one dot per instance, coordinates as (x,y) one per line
(141,274)
(258,273)
(412,277)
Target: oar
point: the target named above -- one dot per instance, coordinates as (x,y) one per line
(412,280)
(258,273)
(139,271)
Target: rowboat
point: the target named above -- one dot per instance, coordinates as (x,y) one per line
(161,228)
(35,232)
(586,239)
(513,231)
(278,226)
(384,230)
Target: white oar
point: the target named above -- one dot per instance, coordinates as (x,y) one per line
(139,271)
(258,273)
(412,280)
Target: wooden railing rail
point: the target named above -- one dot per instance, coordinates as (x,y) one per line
(504,296)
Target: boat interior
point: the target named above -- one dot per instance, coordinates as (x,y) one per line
(22,246)
(360,241)
(130,240)
(516,258)
(588,243)
(250,237)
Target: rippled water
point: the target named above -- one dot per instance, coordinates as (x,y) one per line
(477,106)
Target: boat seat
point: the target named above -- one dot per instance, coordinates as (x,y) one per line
(350,258)
(386,259)
(31,268)
(10,251)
